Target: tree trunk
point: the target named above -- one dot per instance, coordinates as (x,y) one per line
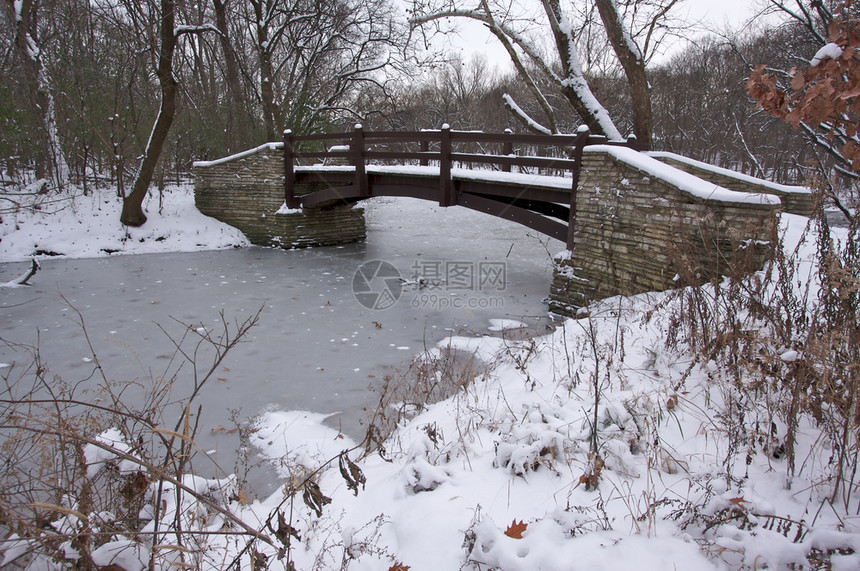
(234,85)
(271,111)
(50,159)
(239,126)
(524,76)
(132,206)
(633,63)
(576,89)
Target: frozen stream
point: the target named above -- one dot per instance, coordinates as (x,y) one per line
(316,347)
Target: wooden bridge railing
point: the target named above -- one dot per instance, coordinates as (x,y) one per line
(360,148)
(446,147)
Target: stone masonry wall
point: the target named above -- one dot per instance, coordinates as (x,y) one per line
(247,191)
(635,233)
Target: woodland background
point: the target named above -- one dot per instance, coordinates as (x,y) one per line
(80,88)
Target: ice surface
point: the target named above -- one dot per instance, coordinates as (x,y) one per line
(315,349)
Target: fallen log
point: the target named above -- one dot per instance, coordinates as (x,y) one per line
(24,278)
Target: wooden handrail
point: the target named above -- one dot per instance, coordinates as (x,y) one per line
(430,136)
(438,146)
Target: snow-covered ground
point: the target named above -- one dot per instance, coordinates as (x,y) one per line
(88,226)
(504,475)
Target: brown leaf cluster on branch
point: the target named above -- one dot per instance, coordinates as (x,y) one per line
(826,94)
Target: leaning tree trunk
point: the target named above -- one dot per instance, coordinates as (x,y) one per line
(576,89)
(132,206)
(633,63)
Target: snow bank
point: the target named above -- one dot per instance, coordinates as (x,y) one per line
(498,475)
(297,438)
(501,474)
(78,226)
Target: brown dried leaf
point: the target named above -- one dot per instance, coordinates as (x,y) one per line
(135,487)
(516,530)
(798,82)
(285,531)
(351,473)
(314,498)
(739,501)
(240,498)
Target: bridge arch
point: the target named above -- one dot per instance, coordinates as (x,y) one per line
(630,219)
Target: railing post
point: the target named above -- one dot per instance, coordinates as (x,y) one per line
(633,142)
(507,150)
(289,172)
(446,189)
(425,148)
(579,145)
(357,151)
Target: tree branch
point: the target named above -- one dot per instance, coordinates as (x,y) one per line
(23,279)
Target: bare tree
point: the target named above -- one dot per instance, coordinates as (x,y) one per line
(50,163)
(632,59)
(456,93)
(529,61)
(311,57)
(561,67)
(168,34)
(233,79)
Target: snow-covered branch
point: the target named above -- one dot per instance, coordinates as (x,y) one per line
(421,19)
(572,82)
(523,116)
(25,277)
(179,30)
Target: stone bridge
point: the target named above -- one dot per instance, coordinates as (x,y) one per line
(632,221)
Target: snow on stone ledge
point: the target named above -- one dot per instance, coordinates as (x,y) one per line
(685,182)
(242,155)
(733,174)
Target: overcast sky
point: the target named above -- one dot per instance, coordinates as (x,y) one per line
(473,38)
(716,12)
